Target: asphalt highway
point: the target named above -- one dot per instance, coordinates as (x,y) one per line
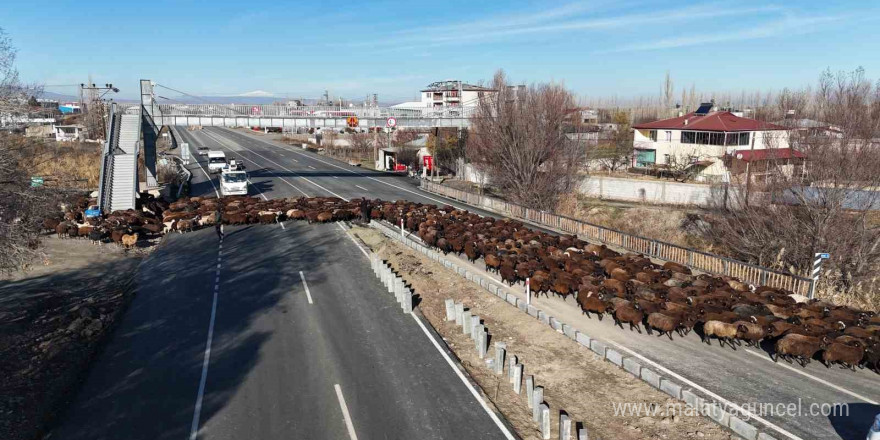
(743,377)
(304,343)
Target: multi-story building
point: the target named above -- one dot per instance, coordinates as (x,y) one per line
(698,142)
(450,95)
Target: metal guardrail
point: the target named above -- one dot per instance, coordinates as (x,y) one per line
(699,260)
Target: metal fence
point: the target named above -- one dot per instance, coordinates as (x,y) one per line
(702,261)
(309,112)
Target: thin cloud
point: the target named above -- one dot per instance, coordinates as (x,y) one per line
(486,34)
(786,26)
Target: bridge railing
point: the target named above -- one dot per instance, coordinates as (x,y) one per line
(310,112)
(699,260)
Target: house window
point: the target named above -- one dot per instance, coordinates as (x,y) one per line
(688,137)
(668,136)
(653,135)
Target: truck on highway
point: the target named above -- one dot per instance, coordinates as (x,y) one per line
(233,182)
(216,161)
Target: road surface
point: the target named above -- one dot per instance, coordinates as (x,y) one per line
(304,343)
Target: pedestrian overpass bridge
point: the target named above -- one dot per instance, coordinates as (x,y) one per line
(132,131)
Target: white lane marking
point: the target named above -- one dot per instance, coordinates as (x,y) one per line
(335,177)
(295,160)
(345,414)
(353,240)
(311,167)
(464,380)
(306,286)
(197,412)
(707,392)
(822,381)
(256,164)
(289,170)
(203,170)
(260,192)
(361,187)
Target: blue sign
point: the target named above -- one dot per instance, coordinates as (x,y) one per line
(825,256)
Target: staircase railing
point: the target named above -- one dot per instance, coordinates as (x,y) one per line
(106,182)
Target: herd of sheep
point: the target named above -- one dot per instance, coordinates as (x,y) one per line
(637,292)
(630,287)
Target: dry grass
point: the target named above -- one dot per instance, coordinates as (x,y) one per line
(659,223)
(68,165)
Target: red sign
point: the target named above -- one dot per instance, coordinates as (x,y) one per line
(427,162)
(255,110)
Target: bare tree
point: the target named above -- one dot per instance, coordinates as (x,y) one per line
(14,95)
(21,207)
(518,138)
(824,205)
(616,153)
(668,90)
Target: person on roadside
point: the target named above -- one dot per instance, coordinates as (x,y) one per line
(365,210)
(218,224)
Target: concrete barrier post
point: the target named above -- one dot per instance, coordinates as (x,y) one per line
(407,303)
(482,342)
(538,397)
(583,434)
(517,378)
(564,427)
(475,321)
(511,365)
(450,309)
(545,421)
(530,391)
(459,313)
(500,348)
(391,278)
(466,322)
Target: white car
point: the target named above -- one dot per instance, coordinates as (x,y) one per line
(216,161)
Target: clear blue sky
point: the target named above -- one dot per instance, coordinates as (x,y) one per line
(598,48)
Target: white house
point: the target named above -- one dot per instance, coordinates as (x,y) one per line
(64,133)
(700,140)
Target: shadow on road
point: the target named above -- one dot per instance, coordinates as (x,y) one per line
(853,420)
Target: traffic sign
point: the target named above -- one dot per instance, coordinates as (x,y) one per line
(36,181)
(352,121)
(391,122)
(824,255)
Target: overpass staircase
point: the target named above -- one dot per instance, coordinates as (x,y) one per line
(119,169)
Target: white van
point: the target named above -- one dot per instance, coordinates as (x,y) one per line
(233,183)
(216,161)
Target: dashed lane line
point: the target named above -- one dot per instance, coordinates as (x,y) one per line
(197,411)
(306,286)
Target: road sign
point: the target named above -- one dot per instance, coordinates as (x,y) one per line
(36,181)
(391,122)
(255,110)
(352,121)
(824,256)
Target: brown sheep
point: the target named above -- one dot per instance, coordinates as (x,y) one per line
(61,229)
(591,304)
(725,333)
(664,324)
(630,314)
(800,347)
(844,354)
(324,216)
(751,332)
(128,241)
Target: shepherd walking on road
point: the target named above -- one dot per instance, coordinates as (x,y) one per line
(365,210)
(218,224)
